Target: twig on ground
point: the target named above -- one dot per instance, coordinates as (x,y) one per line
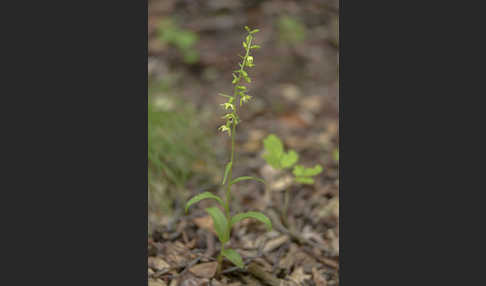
(189,265)
(326,261)
(293,234)
(276,262)
(264,276)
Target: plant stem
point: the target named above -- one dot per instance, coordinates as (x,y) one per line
(233,135)
(285,208)
(232,157)
(220,261)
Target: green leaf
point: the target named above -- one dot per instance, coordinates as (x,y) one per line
(246,178)
(303,175)
(234,257)
(244,45)
(289,159)
(225,95)
(336,155)
(226,171)
(220,223)
(256,215)
(247,29)
(255,47)
(273,150)
(304,180)
(202,196)
(255,31)
(301,171)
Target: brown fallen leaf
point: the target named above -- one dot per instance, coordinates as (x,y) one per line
(298,276)
(312,103)
(157,282)
(253,143)
(205,222)
(293,120)
(204,270)
(330,210)
(275,243)
(318,279)
(189,279)
(216,283)
(177,253)
(290,92)
(157,263)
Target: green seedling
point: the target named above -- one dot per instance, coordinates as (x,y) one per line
(184,40)
(335,155)
(291,30)
(223,222)
(276,157)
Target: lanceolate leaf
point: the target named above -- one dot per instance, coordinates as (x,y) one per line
(228,167)
(246,178)
(256,215)
(234,257)
(220,223)
(202,196)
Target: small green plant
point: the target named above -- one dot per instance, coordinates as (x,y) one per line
(335,155)
(223,222)
(276,157)
(291,30)
(184,40)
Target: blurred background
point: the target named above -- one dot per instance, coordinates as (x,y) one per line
(193,49)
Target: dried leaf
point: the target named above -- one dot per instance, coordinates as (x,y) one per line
(205,222)
(157,263)
(204,270)
(157,282)
(275,243)
(318,279)
(298,276)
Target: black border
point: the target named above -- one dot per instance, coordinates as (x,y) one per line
(76,81)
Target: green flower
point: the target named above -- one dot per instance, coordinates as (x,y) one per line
(249,61)
(228,105)
(244,98)
(224,128)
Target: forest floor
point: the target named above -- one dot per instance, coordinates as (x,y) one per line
(296,96)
